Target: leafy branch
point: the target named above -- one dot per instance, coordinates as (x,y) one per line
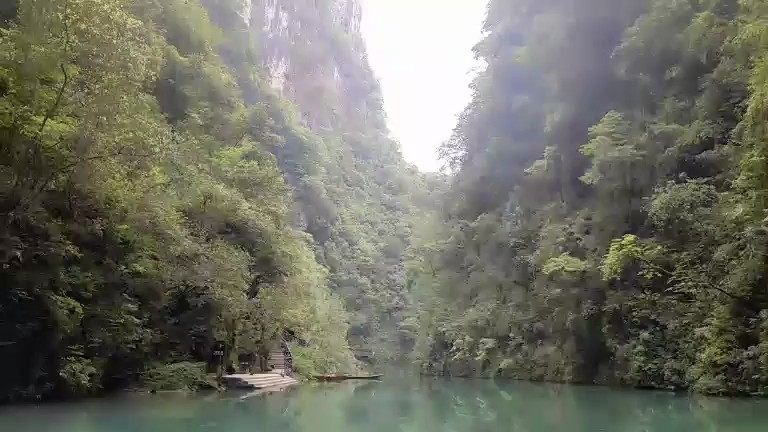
(60,94)
(629,248)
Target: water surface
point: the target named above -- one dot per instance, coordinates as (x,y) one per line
(400,404)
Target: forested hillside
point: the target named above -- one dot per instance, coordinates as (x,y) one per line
(607,218)
(162,186)
(355,194)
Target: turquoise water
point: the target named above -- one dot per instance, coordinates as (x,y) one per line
(413,405)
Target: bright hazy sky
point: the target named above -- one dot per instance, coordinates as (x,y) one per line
(421,52)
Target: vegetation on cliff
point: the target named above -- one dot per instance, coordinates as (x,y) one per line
(148,195)
(606,222)
(177,172)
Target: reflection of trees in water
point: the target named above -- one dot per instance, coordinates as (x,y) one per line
(365,406)
(527,407)
(488,406)
(429,406)
(165,412)
(479,406)
(320,408)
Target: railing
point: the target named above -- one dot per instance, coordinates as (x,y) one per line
(287,358)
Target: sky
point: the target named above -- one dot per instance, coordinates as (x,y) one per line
(421,52)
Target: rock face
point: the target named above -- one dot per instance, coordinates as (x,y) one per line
(353,190)
(314,55)
(348,14)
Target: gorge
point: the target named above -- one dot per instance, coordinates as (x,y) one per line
(179,172)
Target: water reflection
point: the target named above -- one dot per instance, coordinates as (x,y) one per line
(401,404)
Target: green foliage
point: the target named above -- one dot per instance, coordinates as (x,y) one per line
(177,376)
(629,249)
(79,374)
(606,215)
(156,196)
(563,264)
(355,195)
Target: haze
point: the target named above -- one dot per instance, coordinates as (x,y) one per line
(421,51)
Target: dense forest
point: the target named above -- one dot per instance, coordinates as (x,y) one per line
(179,172)
(606,221)
(162,188)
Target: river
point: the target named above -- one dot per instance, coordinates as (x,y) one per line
(399,405)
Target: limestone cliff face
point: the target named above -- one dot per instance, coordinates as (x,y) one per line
(352,188)
(314,55)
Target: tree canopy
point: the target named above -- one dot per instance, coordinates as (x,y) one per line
(605,221)
(158,194)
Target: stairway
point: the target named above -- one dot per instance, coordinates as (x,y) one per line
(259,381)
(277,362)
(280,363)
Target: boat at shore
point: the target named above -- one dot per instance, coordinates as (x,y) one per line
(344,377)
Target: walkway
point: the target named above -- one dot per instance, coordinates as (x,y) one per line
(259,381)
(278,378)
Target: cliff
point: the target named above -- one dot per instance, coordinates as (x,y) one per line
(354,192)
(175,173)
(314,55)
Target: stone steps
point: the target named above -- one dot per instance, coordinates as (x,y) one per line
(259,381)
(276,360)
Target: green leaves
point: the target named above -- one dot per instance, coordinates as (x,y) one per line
(148,214)
(629,249)
(644,153)
(613,157)
(178,376)
(564,265)
(80,375)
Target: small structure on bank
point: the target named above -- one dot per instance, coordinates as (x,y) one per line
(264,370)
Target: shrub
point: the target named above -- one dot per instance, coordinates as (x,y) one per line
(178,376)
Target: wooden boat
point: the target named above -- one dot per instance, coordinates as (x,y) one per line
(366,377)
(331,377)
(344,377)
